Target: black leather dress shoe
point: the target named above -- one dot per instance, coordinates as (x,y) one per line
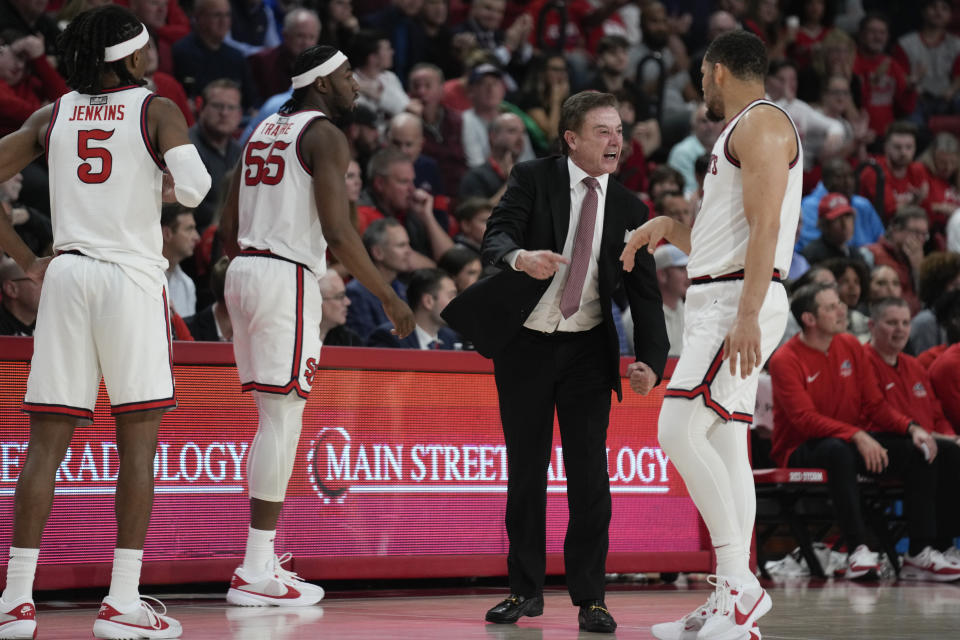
(515,607)
(595,617)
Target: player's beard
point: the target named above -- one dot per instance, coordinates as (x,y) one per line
(715,111)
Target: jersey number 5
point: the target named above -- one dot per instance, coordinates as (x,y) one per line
(257,168)
(86,152)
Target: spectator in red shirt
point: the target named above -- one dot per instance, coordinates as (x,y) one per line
(27,81)
(905,181)
(901,248)
(941,162)
(944,370)
(829,413)
(906,386)
(887,91)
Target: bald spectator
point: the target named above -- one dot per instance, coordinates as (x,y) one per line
(391,193)
(472,214)
(901,249)
(19,299)
(387,244)
(29,17)
(203,56)
(683,155)
(487,90)
(943,371)
(213,323)
(838,177)
(253,26)
(905,180)
(442,128)
(489,180)
(214,136)
(888,91)
(835,220)
(428,291)
(180,238)
(405,133)
(334,331)
(272,68)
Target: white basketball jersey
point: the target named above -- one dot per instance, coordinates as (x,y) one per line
(720,233)
(278,211)
(105,181)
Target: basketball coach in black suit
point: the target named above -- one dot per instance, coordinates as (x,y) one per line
(546,320)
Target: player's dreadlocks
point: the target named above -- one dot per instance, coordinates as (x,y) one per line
(312,57)
(82,45)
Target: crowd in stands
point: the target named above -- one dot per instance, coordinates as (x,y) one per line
(453,93)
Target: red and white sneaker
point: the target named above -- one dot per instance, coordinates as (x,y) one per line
(277,587)
(755,633)
(862,563)
(18,619)
(929,564)
(738,607)
(134,621)
(686,628)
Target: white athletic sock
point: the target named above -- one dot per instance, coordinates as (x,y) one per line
(125,578)
(20,571)
(259,553)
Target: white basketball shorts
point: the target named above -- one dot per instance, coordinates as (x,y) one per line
(94,320)
(701,372)
(275,308)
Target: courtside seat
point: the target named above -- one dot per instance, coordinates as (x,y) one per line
(778,492)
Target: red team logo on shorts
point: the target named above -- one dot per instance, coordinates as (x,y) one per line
(310,371)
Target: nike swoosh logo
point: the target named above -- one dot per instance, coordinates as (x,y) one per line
(813,377)
(890,385)
(742,618)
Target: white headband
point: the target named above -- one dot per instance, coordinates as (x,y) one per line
(321,70)
(125,48)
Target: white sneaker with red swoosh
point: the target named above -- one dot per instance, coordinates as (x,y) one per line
(738,608)
(277,587)
(138,620)
(931,565)
(686,628)
(18,619)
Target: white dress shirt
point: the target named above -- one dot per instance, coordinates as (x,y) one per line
(425,338)
(546,316)
(182,292)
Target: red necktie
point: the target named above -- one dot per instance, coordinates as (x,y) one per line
(582,250)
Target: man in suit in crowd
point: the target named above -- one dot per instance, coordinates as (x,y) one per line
(428,292)
(546,320)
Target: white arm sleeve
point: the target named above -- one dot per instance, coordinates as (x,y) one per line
(190,178)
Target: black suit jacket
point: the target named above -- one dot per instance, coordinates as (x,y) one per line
(534,214)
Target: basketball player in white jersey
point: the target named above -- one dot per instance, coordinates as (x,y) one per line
(103,308)
(740,246)
(288,203)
